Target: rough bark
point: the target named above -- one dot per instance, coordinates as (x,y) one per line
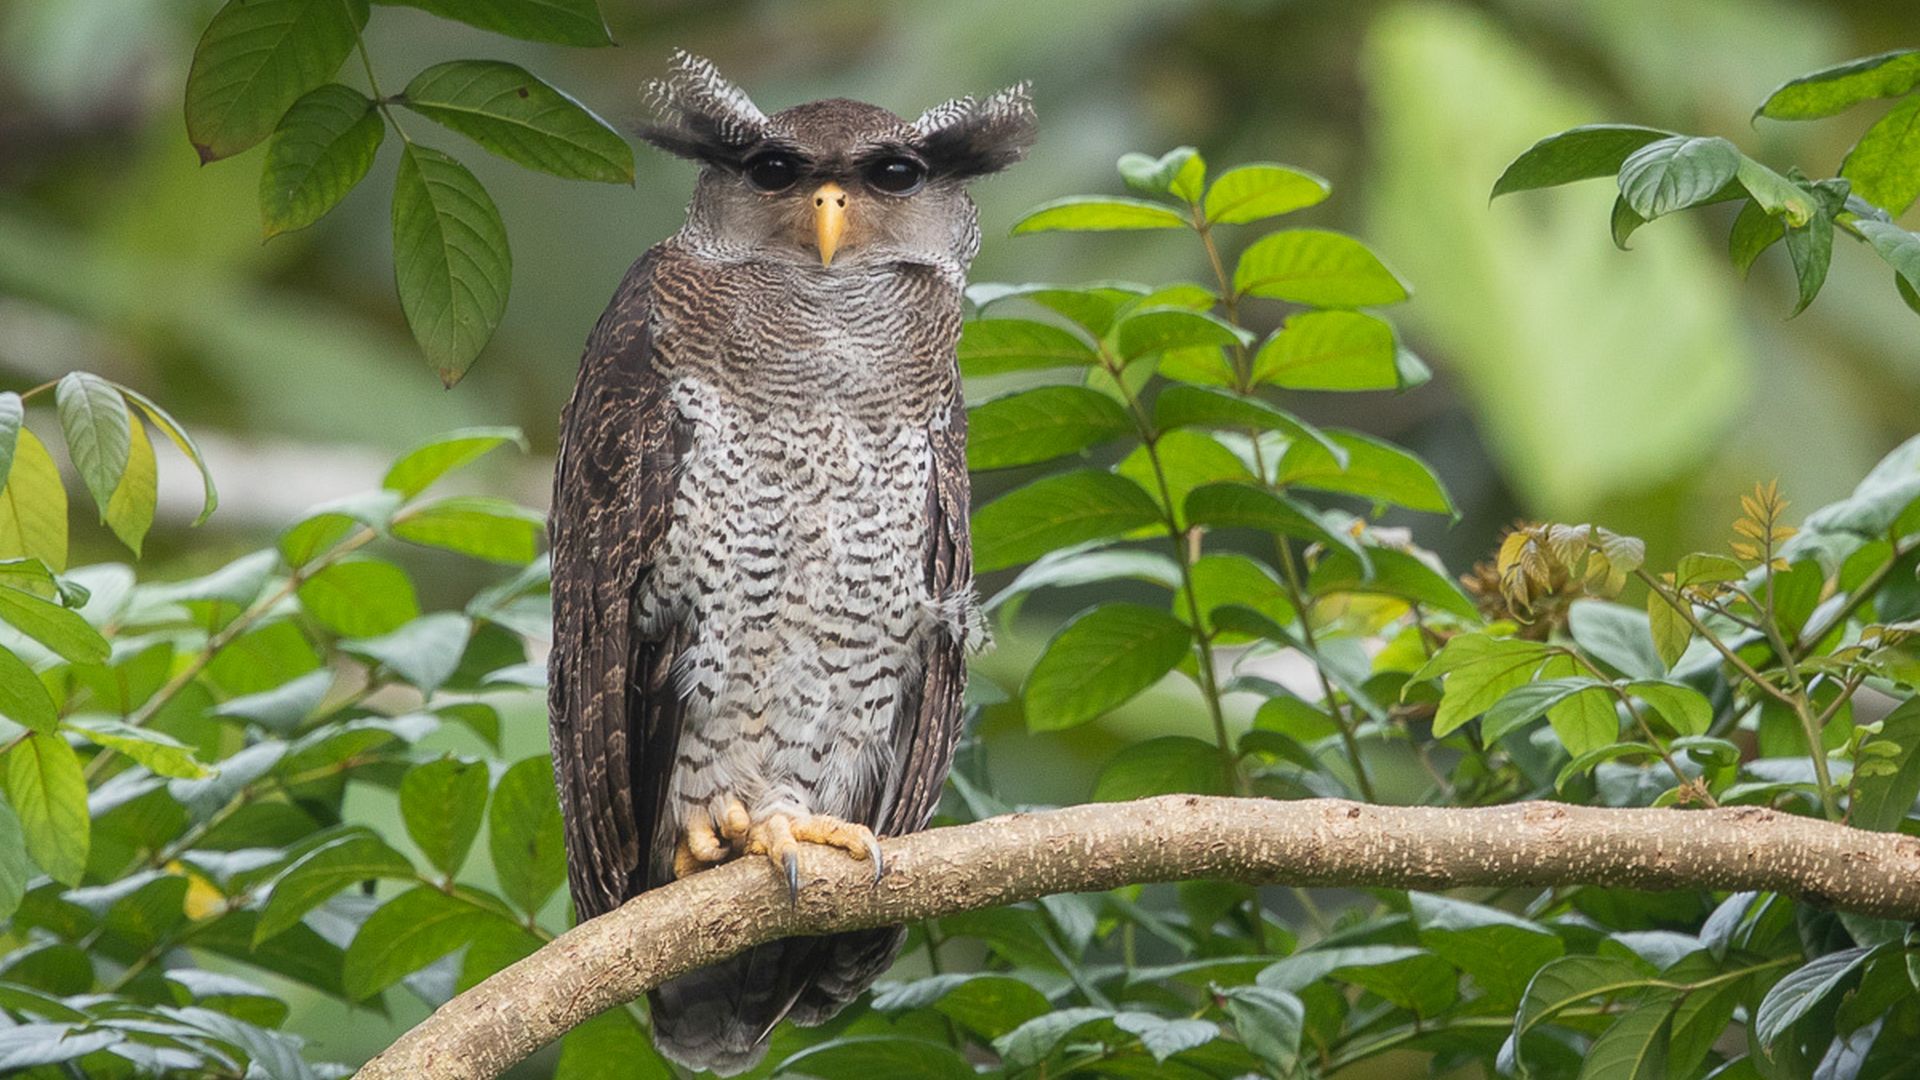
(1323,842)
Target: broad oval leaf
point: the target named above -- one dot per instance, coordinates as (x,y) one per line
(1231,505)
(360,597)
(15,870)
(94,418)
(256,58)
(49,794)
(481,526)
(1372,470)
(1686,710)
(997,346)
(1634,1047)
(1677,172)
(33,506)
(23,697)
(877,1056)
(1480,670)
(1899,248)
(1223,578)
(1529,700)
(1800,990)
(556,22)
(424,652)
(1884,166)
(1395,573)
(1146,331)
(409,932)
(1830,91)
(450,259)
(1270,1023)
(507,110)
(443,803)
(1180,172)
(1330,350)
(1041,424)
(310,880)
(1096,213)
(1170,764)
(160,418)
(1581,153)
(1261,190)
(1180,461)
(161,754)
(135,498)
(58,628)
(12,415)
(321,149)
(1056,512)
(1100,660)
(1318,267)
(524,835)
(427,462)
(1198,406)
(1754,231)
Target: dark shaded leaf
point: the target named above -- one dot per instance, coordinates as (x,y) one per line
(556,22)
(523,827)
(442,803)
(256,58)
(1170,764)
(510,112)
(1056,512)
(451,263)
(321,149)
(1581,153)
(1677,172)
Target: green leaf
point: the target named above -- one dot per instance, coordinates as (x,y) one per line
(1671,631)
(33,506)
(1883,797)
(1899,248)
(23,697)
(556,22)
(1617,635)
(481,526)
(523,827)
(1395,573)
(58,628)
(1775,194)
(611,1046)
(160,418)
(1480,670)
(1581,153)
(427,462)
(1330,350)
(360,597)
(1086,566)
(1803,988)
(256,58)
(1830,91)
(450,259)
(1884,166)
(1180,172)
(321,149)
(1623,222)
(1041,424)
(1170,764)
(1032,1042)
(328,524)
(878,1056)
(997,346)
(1099,660)
(49,794)
(1374,470)
(1055,512)
(1225,578)
(508,111)
(1269,1023)
(15,870)
(1199,406)
(1524,703)
(1686,710)
(406,934)
(1257,191)
(1500,950)
(1095,213)
(12,415)
(1570,980)
(316,876)
(94,417)
(1146,331)
(161,754)
(1810,248)
(1187,459)
(1754,231)
(442,803)
(284,707)
(1164,1038)
(1677,172)
(1226,506)
(1634,1047)
(1318,267)
(424,652)
(130,508)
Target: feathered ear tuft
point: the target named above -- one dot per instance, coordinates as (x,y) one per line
(965,138)
(701,116)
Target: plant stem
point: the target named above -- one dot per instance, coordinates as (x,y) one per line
(1342,718)
(380,100)
(1646,729)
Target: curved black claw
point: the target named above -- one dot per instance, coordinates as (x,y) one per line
(793,877)
(879,862)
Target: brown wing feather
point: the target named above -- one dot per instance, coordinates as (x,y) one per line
(614,715)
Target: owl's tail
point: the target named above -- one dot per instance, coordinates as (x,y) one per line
(720,1017)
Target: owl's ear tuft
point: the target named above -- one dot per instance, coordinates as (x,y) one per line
(701,116)
(964,138)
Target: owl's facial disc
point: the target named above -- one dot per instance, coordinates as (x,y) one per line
(829,219)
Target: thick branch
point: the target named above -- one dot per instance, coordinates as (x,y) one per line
(717,913)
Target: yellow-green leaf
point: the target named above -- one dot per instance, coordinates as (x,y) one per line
(33,506)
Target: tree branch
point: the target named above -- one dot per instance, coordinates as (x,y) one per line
(1326,842)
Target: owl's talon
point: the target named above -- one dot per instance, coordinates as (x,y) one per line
(793,877)
(854,839)
(735,823)
(699,846)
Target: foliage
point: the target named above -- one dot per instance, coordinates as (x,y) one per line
(1659,172)
(261,74)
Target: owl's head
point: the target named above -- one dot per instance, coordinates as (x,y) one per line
(836,183)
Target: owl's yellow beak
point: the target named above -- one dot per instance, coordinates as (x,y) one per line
(829,219)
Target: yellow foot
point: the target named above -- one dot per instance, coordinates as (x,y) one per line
(779,838)
(699,847)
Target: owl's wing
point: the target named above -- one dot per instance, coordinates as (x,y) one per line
(929,725)
(614,715)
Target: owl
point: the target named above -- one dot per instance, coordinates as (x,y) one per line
(762,579)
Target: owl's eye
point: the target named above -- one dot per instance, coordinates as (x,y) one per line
(896,175)
(773,172)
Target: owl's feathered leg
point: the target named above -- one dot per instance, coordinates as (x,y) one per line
(779,838)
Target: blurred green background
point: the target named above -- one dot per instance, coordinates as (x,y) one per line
(1640,390)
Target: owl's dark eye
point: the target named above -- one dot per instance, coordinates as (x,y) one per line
(773,171)
(896,175)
